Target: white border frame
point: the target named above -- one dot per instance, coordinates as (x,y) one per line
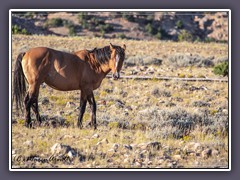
(121,10)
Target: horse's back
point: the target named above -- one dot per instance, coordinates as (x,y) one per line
(37,54)
(82,54)
(58,69)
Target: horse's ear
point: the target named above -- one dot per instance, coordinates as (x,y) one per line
(111,47)
(124,46)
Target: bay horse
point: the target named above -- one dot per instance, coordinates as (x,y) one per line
(83,70)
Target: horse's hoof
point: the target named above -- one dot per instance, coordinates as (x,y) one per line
(39,124)
(80,126)
(89,124)
(29,125)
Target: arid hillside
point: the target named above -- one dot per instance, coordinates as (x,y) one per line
(177,26)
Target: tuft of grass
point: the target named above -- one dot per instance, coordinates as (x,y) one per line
(70,119)
(181,75)
(138,126)
(59,100)
(187,138)
(213,111)
(201,76)
(190,76)
(221,69)
(42,145)
(113,125)
(103,94)
(86,117)
(21,121)
(53,98)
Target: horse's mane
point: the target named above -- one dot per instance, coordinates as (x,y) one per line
(99,56)
(102,55)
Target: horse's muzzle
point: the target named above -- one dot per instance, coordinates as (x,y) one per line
(116,75)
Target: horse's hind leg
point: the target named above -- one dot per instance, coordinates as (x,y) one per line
(93,106)
(31,101)
(27,103)
(35,109)
(83,103)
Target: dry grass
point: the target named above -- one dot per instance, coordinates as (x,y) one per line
(96,155)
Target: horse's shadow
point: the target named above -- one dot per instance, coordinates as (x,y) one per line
(56,122)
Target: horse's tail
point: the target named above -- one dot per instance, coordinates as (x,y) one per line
(19,84)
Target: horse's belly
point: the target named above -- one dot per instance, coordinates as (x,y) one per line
(96,85)
(62,83)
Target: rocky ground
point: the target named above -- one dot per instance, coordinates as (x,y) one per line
(118,148)
(141,124)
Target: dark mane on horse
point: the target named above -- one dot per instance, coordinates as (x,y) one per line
(102,55)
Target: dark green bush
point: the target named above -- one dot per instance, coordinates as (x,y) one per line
(149,18)
(97,21)
(164,34)
(150,29)
(72,30)
(116,14)
(158,32)
(121,36)
(179,24)
(128,16)
(54,22)
(91,22)
(158,35)
(29,14)
(83,19)
(18,30)
(141,14)
(184,35)
(197,39)
(85,25)
(71,27)
(107,28)
(84,16)
(209,40)
(221,69)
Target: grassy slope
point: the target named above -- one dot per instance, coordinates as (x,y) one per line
(152,48)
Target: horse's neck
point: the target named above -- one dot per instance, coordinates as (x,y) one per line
(105,68)
(97,67)
(100,74)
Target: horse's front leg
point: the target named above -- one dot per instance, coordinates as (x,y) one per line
(93,106)
(83,103)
